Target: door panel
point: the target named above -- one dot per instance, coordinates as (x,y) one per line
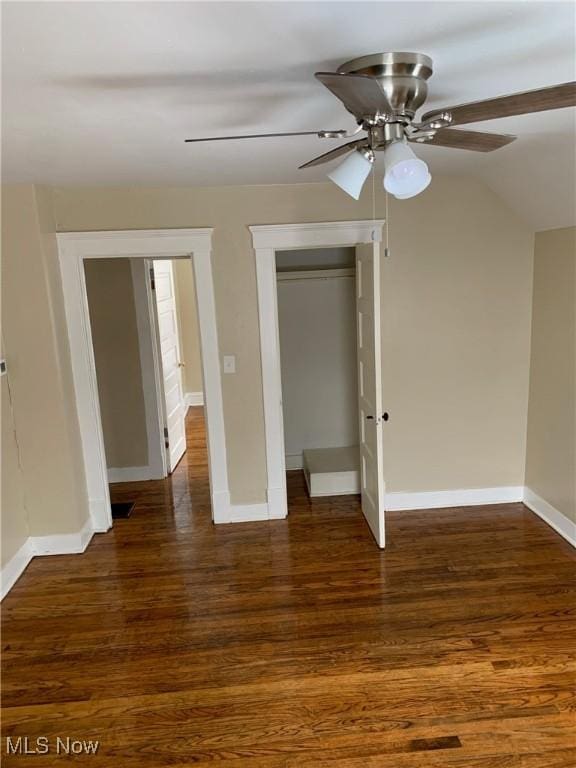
(370,387)
(175,410)
(170,360)
(166,323)
(163,286)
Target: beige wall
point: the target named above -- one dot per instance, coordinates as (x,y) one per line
(551,451)
(14,517)
(117,355)
(457,295)
(188,331)
(456,318)
(39,372)
(14,514)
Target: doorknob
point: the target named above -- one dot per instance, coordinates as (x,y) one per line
(181,365)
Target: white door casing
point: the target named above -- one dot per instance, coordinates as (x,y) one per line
(370,387)
(266,240)
(73,249)
(170,361)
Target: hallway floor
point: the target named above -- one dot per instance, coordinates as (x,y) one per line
(175,642)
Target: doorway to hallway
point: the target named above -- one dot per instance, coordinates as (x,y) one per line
(75,249)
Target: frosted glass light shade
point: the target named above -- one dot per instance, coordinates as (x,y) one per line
(415,191)
(406,175)
(352,173)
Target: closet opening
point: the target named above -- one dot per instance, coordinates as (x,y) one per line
(317,328)
(321,366)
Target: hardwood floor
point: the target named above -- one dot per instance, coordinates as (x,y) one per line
(296,643)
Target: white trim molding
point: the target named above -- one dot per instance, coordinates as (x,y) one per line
(193,398)
(461,497)
(251,513)
(73,248)
(325,234)
(35,546)
(247,513)
(63,543)
(266,240)
(15,567)
(550,515)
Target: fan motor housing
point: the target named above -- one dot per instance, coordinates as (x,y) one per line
(402,77)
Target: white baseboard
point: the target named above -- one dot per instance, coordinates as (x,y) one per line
(130,474)
(462,497)
(100,511)
(63,543)
(15,567)
(248,513)
(294,461)
(193,398)
(553,517)
(35,546)
(251,513)
(220,507)
(277,503)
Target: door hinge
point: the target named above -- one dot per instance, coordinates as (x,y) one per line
(152,280)
(166,441)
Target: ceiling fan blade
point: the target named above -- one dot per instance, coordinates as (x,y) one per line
(334,153)
(321,134)
(540,100)
(360,94)
(472,140)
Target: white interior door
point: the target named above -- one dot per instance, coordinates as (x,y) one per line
(175,411)
(370,387)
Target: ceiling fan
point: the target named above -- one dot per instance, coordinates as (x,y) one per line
(383,91)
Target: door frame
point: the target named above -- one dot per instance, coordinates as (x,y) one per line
(196,244)
(266,240)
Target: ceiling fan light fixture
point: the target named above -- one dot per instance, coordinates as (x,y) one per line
(405,174)
(353,172)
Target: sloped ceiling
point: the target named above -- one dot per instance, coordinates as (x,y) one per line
(105,93)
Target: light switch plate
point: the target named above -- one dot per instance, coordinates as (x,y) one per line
(229,363)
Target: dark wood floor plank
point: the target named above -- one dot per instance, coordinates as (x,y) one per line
(297,643)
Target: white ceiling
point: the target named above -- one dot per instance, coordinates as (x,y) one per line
(105,93)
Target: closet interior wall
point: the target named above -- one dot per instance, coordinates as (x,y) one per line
(317,328)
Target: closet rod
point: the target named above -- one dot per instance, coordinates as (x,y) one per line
(315,274)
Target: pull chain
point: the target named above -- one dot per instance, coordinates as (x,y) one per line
(387,225)
(374,191)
